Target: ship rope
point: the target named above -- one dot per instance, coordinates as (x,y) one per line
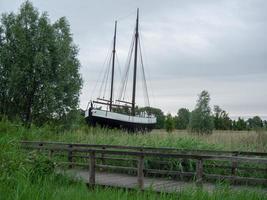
(144,83)
(103,67)
(148,73)
(126,73)
(106,68)
(104,81)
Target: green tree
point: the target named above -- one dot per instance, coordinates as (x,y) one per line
(169,123)
(221,119)
(182,118)
(240,124)
(158,114)
(40,78)
(201,120)
(265,124)
(255,123)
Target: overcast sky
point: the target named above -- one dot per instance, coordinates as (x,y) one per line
(188,46)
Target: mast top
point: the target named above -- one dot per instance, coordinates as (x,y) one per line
(113,66)
(135,62)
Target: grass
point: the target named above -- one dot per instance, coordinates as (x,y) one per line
(219,140)
(227,140)
(19,180)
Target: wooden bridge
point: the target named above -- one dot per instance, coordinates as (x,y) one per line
(160,169)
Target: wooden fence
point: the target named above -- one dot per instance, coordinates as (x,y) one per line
(99,155)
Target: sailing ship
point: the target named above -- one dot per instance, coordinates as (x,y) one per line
(113,116)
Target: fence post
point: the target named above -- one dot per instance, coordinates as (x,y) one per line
(140,172)
(102,158)
(70,156)
(92,168)
(199,172)
(40,145)
(234,169)
(51,154)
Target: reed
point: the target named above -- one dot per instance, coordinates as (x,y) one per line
(19,180)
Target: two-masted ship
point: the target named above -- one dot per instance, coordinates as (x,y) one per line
(113,116)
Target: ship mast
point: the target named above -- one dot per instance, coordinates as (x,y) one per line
(135,62)
(113,64)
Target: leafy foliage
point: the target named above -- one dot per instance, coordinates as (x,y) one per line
(221,119)
(201,120)
(39,68)
(255,123)
(17,176)
(169,123)
(182,118)
(240,124)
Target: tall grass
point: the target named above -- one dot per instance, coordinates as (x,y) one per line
(20,180)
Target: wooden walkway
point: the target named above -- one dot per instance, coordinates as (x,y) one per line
(118,180)
(109,165)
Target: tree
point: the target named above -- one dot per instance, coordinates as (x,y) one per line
(255,123)
(201,120)
(158,114)
(240,124)
(169,123)
(40,78)
(221,119)
(182,119)
(265,124)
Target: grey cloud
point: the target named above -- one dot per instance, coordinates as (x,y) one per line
(188,46)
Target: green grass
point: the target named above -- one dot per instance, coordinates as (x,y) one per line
(20,180)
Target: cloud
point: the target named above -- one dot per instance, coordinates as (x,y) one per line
(188,46)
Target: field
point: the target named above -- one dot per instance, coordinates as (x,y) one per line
(19,180)
(219,140)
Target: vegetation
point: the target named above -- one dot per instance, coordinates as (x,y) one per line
(182,118)
(39,69)
(221,119)
(21,180)
(169,123)
(201,120)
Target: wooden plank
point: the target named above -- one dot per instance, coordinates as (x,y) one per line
(163,155)
(50,154)
(70,155)
(140,172)
(169,172)
(160,185)
(92,169)
(199,173)
(239,167)
(261,181)
(101,157)
(116,167)
(190,151)
(73,164)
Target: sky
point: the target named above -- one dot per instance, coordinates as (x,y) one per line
(188,46)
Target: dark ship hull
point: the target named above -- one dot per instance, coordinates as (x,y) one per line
(109,119)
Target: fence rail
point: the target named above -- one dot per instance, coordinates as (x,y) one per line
(99,155)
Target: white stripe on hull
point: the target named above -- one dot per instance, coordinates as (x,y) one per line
(121,117)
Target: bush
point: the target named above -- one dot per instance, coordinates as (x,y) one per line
(169,123)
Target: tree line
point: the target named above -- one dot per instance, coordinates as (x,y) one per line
(203,119)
